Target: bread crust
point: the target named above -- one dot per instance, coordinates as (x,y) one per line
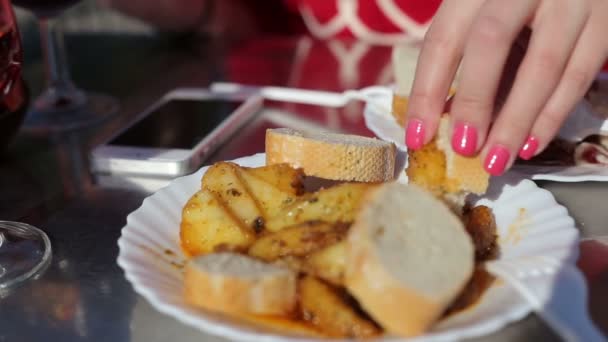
(271,294)
(332,160)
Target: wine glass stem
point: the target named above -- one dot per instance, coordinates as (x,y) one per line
(59,81)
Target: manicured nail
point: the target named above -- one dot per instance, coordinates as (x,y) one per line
(414,135)
(529,149)
(464,139)
(496,160)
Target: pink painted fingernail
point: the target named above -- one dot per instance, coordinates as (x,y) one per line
(414,136)
(529,149)
(464,139)
(496,160)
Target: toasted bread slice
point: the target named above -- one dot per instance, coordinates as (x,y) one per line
(235,283)
(435,167)
(408,258)
(332,156)
(450,176)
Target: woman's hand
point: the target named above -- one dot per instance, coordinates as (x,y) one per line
(567,46)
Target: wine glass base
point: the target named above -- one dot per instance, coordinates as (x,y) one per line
(55,119)
(25,252)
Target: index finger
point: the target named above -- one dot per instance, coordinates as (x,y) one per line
(439,58)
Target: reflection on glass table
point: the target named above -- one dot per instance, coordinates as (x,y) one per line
(62,105)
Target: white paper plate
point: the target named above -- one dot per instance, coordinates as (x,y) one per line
(579,124)
(528,218)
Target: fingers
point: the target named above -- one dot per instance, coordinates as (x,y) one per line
(556,27)
(551,79)
(587,59)
(439,58)
(491,36)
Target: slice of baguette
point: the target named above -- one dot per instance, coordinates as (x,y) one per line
(435,167)
(238,284)
(332,156)
(408,258)
(448,175)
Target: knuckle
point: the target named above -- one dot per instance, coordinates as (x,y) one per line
(490,30)
(421,98)
(548,60)
(468,103)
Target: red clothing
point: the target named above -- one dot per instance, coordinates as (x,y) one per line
(374,21)
(380,22)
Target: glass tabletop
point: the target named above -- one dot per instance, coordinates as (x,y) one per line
(83,294)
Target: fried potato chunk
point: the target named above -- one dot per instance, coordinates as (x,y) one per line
(270,199)
(328,263)
(339,203)
(224,180)
(480,224)
(298,240)
(253,194)
(283,325)
(326,308)
(234,204)
(207,225)
(281,176)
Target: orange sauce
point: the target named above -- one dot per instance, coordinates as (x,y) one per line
(473,291)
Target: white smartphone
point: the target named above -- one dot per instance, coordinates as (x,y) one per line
(175,135)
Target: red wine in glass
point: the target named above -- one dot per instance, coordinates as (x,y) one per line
(24,250)
(13,103)
(45,8)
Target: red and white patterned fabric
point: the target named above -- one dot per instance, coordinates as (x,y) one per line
(383,22)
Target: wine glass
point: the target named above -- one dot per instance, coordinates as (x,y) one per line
(62,105)
(24,249)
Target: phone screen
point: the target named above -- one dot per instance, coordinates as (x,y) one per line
(177,124)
